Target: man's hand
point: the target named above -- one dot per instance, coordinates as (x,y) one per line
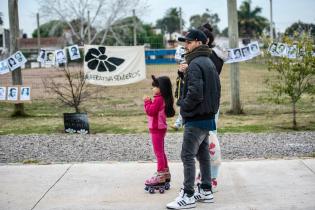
(182,67)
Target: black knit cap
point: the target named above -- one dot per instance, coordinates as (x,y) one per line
(194,35)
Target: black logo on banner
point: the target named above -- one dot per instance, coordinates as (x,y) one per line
(96,59)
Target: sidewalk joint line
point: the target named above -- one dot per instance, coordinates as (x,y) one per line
(308,167)
(52,186)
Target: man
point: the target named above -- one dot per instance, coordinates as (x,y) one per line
(237,53)
(12,93)
(245,51)
(74,51)
(198,106)
(50,56)
(19,57)
(60,56)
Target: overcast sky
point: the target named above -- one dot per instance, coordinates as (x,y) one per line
(285,12)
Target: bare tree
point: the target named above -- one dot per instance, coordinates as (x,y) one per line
(73,90)
(103,14)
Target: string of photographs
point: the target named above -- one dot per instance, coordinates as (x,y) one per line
(13,62)
(15,93)
(285,50)
(46,57)
(243,53)
(59,56)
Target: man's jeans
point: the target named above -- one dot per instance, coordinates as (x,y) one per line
(195,144)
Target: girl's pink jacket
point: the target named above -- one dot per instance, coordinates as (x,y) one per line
(155,111)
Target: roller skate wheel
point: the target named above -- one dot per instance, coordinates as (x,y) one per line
(146,188)
(167,186)
(151,190)
(161,190)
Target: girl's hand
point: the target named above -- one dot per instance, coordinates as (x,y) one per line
(182,67)
(145,98)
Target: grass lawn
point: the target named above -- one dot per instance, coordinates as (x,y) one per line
(120,109)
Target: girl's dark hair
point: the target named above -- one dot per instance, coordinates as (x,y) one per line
(207,29)
(165,85)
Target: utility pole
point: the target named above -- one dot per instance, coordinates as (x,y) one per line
(134,28)
(14,34)
(89,28)
(234,67)
(180,21)
(271,22)
(38,37)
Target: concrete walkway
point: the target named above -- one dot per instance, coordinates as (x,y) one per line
(252,185)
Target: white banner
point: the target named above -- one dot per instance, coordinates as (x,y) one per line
(111,66)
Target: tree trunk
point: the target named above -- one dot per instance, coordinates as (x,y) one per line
(294,124)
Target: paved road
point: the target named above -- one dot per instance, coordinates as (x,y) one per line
(253,185)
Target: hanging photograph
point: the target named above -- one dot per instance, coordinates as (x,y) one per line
(50,57)
(301,52)
(281,49)
(292,51)
(3,91)
(41,57)
(25,94)
(237,54)
(246,53)
(273,49)
(74,52)
(13,64)
(60,56)
(4,68)
(19,57)
(254,49)
(12,93)
(229,56)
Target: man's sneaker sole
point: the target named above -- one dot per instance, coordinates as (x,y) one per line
(207,200)
(189,206)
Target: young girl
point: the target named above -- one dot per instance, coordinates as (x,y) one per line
(157,110)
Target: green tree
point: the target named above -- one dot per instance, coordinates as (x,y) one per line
(148,36)
(300,28)
(225,32)
(293,77)
(250,23)
(53,28)
(170,22)
(207,17)
(121,33)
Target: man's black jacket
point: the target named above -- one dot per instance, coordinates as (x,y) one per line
(202,87)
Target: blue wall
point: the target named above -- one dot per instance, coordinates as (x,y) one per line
(160,56)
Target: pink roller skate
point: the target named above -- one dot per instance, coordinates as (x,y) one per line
(156,182)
